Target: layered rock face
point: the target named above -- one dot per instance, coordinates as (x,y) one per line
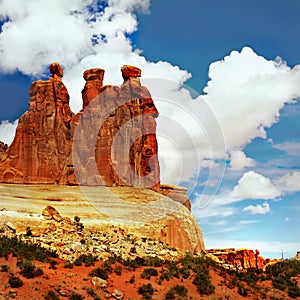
(115,139)
(114,135)
(143,213)
(241,258)
(112,143)
(43,138)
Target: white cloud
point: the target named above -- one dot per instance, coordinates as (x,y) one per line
(258,209)
(255,186)
(239,161)
(246,92)
(290,148)
(7,131)
(221,206)
(289,183)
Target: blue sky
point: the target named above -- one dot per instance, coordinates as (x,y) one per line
(240,59)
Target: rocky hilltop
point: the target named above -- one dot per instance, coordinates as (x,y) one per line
(110,144)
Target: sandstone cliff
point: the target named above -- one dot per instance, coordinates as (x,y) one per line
(114,135)
(116,211)
(43,139)
(111,142)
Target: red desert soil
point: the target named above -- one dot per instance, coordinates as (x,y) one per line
(77,280)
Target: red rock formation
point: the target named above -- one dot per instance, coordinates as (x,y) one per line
(3,148)
(177,193)
(43,137)
(114,135)
(241,258)
(115,141)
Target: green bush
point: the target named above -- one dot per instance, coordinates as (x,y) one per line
(28,269)
(75,296)
(88,260)
(132,279)
(279,283)
(25,250)
(99,272)
(149,272)
(146,291)
(293,290)
(177,292)
(118,270)
(185,272)
(15,282)
(203,283)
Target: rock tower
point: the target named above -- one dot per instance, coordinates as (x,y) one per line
(111,141)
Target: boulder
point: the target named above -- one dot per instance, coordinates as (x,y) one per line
(99,282)
(50,213)
(117,294)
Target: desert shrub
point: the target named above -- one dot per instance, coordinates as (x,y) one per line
(279,283)
(78,225)
(288,268)
(177,292)
(150,261)
(147,261)
(165,274)
(68,265)
(26,250)
(173,269)
(75,296)
(185,272)
(149,272)
(132,279)
(52,295)
(88,260)
(28,231)
(99,272)
(146,291)
(4,268)
(242,290)
(107,266)
(118,270)
(53,264)
(28,269)
(15,282)
(91,292)
(293,290)
(203,283)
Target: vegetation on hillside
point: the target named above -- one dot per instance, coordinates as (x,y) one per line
(284,276)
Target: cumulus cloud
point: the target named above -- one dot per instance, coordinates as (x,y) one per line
(246,92)
(239,161)
(258,209)
(255,186)
(289,183)
(101,40)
